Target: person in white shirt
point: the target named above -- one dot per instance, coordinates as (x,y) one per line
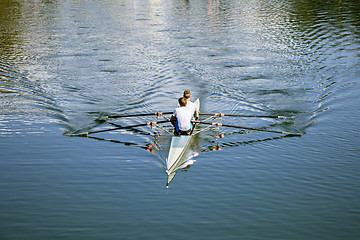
(190,105)
(181,118)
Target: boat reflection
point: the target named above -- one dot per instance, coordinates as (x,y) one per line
(159,145)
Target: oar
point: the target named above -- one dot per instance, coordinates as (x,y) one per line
(121,127)
(249,128)
(140,114)
(242,115)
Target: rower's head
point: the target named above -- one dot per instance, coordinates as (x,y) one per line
(187,94)
(182,102)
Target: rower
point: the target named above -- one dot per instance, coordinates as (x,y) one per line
(192,106)
(181,118)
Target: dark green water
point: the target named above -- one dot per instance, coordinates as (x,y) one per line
(65,64)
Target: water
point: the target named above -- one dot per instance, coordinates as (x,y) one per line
(66,64)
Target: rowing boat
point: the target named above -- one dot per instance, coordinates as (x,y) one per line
(181,146)
(178,148)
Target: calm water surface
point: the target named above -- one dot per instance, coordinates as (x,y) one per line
(64,65)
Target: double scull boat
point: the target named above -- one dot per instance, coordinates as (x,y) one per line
(178,148)
(181,145)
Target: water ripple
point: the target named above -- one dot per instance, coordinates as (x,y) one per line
(20,95)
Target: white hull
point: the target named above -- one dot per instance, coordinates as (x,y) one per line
(177,150)
(179,145)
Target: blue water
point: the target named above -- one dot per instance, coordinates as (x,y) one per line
(65,65)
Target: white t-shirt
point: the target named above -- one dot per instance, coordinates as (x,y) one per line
(183,116)
(191,106)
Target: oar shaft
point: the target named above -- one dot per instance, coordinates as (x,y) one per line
(249,128)
(240,115)
(140,115)
(125,127)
